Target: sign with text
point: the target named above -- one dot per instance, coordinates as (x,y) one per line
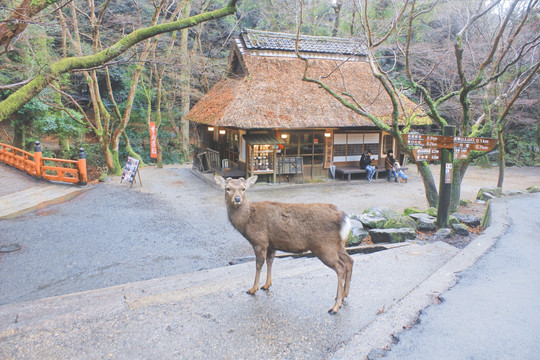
(427,154)
(460,144)
(448,173)
(130,169)
(450,142)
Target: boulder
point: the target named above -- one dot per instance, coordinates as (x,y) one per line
(412,210)
(461,229)
(443,233)
(357,236)
(391,235)
(486,219)
(426,223)
(487,193)
(381,212)
(468,219)
(400,222)
(533,189)
(358,233)
(371,221)
(432,211)
(422,215)
(452,220)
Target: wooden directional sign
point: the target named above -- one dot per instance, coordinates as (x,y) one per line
(431,141)
(450,142)
(427,154)
(430,145)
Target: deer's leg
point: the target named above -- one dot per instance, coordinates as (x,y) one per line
(260,254)
(349,262)
(332,260)
(269,260)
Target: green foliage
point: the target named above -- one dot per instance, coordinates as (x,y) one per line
(521,147)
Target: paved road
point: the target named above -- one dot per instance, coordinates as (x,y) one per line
(494,310)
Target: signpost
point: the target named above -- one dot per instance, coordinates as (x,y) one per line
(445,148)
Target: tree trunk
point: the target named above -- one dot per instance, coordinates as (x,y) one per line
(130,150)
(432,195)
(459,169)
(20,18)
(24,94)
(185,73)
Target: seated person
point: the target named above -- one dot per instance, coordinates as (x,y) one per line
(365,163)
(389,165)
(401,175)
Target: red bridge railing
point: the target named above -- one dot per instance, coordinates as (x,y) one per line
(71,171)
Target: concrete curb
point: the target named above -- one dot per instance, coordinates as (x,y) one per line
(379,334)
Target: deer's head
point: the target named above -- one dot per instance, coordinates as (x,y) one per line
(235,189)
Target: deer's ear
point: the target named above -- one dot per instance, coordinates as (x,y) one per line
(220,181)
(251,181)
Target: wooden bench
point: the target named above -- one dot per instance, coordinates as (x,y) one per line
(351,170)
(232,172)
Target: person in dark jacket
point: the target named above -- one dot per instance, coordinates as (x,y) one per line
(365,163)
(389,165)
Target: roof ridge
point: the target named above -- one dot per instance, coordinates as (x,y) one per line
(268,40)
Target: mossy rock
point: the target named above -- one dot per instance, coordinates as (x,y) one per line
(533,189)
(381,212)
(103,177)
(460,229)
(452,220)
(400,222)
(487,193)
(425,224)
(412,210)
(392,235)
(432,211)
(357,236)
(464,202)
(486,219)
(371,221)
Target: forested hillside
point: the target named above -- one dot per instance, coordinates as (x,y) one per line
(95,73)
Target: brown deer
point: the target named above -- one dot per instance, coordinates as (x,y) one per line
(295,228)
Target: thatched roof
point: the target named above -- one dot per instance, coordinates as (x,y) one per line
(272,94)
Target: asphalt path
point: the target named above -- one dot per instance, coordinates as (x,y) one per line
(111,234)
(494,310)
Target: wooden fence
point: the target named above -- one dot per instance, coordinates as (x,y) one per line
(71,171)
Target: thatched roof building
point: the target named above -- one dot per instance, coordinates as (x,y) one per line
(267,91)
(264,90)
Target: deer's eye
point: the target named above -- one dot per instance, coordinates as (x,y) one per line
(243,189)
(228,188)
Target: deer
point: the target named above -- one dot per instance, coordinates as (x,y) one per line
(295,228)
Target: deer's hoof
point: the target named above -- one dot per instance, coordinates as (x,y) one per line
(265,288)
(251,291)
(332,312)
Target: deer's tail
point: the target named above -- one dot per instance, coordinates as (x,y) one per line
(345,228)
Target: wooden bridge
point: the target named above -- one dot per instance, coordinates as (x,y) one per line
(70,171)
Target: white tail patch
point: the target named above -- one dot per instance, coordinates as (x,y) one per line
(345,228)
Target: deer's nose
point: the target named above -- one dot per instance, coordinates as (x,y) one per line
(237,199)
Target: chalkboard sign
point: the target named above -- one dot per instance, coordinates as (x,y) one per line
(130,170)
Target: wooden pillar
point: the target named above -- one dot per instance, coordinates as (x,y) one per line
(37,158)
(445,185)
(81,164)
(274,164)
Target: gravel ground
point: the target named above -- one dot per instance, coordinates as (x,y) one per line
(175,223)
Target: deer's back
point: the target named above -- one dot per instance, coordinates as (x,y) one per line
(294,227)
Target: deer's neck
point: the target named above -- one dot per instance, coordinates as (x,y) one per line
(239,216)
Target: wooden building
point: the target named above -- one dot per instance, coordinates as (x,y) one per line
(264,119)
